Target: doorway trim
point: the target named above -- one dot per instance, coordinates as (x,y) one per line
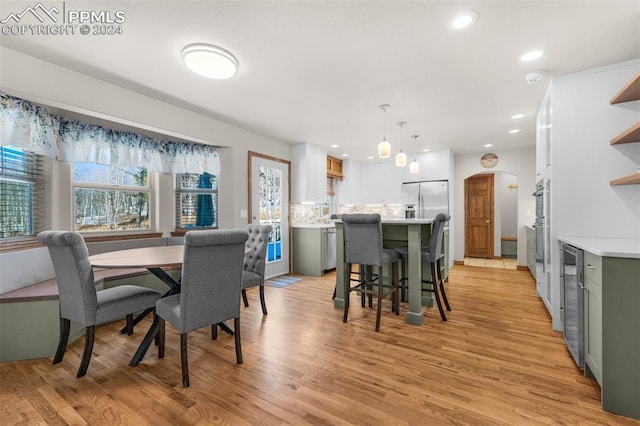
(250,156)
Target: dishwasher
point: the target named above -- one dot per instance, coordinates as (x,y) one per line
(573,301)
(330,248)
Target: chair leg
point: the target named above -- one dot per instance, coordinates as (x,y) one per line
(129,324)
(161,337)
(90,334)
(183,358)
(444,295)
(436,292)
(236,335)
(396,284)
(64,339)
(379,307)
(369,279)
(214,331)
(244,298)
(262,302)
(347,290)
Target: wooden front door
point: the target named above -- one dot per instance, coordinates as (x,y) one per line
(478,224)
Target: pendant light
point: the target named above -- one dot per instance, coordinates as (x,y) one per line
(414,167)
(401,157)
(384,147)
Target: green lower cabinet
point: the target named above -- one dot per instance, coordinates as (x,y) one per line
(612,330)
(308,251)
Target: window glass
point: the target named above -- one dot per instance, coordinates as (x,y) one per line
(196,201)
(20,193)
(110,198)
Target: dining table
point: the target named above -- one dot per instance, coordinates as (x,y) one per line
(157,260)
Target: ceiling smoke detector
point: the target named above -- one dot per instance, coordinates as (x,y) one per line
(534,76)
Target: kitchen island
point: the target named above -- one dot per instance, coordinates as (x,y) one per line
(611,329)
(395,232)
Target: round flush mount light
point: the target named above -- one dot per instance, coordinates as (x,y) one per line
(532,56)
(210,61)
(462,20)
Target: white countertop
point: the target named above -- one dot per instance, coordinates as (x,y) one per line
(315,225)
(603,246)
(401,221)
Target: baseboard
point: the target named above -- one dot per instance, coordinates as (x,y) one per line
(522,268)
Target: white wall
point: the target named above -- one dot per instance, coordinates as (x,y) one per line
(42,82)
(519,162)
(583,161)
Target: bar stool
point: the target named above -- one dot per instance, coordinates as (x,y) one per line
(433,255)
(363,246)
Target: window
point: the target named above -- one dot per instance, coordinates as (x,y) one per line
(196,201)
(110,198)
(21,193)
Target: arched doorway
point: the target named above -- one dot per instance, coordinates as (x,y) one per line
(490,206)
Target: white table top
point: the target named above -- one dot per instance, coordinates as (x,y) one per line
(604,246)
(145,257)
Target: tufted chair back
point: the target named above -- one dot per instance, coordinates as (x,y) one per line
(255,260)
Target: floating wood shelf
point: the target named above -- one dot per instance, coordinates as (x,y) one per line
(633,179)
(630,135)
(630,92)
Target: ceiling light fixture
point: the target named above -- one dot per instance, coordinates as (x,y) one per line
(401,157)
(210,61)
(334,146)
(532,56)
(517,116)
(514,131)
(488,145)
(384,147)
(414,167)
(462,20)
(345,155)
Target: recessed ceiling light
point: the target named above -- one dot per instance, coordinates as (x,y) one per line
(462,20)
(334,146)
(488,145)
(345,155)
(514,131)
(531,56)
(209,61)
(517,116)
(426,150)
(371,157)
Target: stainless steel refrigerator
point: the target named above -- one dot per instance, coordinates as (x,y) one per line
(425,199)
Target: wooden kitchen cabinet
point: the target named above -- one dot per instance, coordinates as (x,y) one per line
(334,168)
(612,330)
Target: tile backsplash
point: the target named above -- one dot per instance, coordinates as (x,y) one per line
(309,213)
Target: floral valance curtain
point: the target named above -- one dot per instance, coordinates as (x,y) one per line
(34,129)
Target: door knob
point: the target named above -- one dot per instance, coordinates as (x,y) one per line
(487,220)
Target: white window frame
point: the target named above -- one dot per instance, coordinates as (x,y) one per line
(125,188)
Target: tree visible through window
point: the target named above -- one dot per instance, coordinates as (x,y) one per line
(196,201)
(110,198)
(20,193)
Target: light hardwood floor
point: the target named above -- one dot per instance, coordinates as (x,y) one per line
(496,361)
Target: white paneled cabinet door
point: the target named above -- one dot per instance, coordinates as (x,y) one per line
(270,206)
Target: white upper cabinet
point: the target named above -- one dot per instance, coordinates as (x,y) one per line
(308,173)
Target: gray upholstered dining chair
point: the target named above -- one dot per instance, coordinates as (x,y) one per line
(211,284)
(363,246)
(433,255)
(255,261)
(79,300)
